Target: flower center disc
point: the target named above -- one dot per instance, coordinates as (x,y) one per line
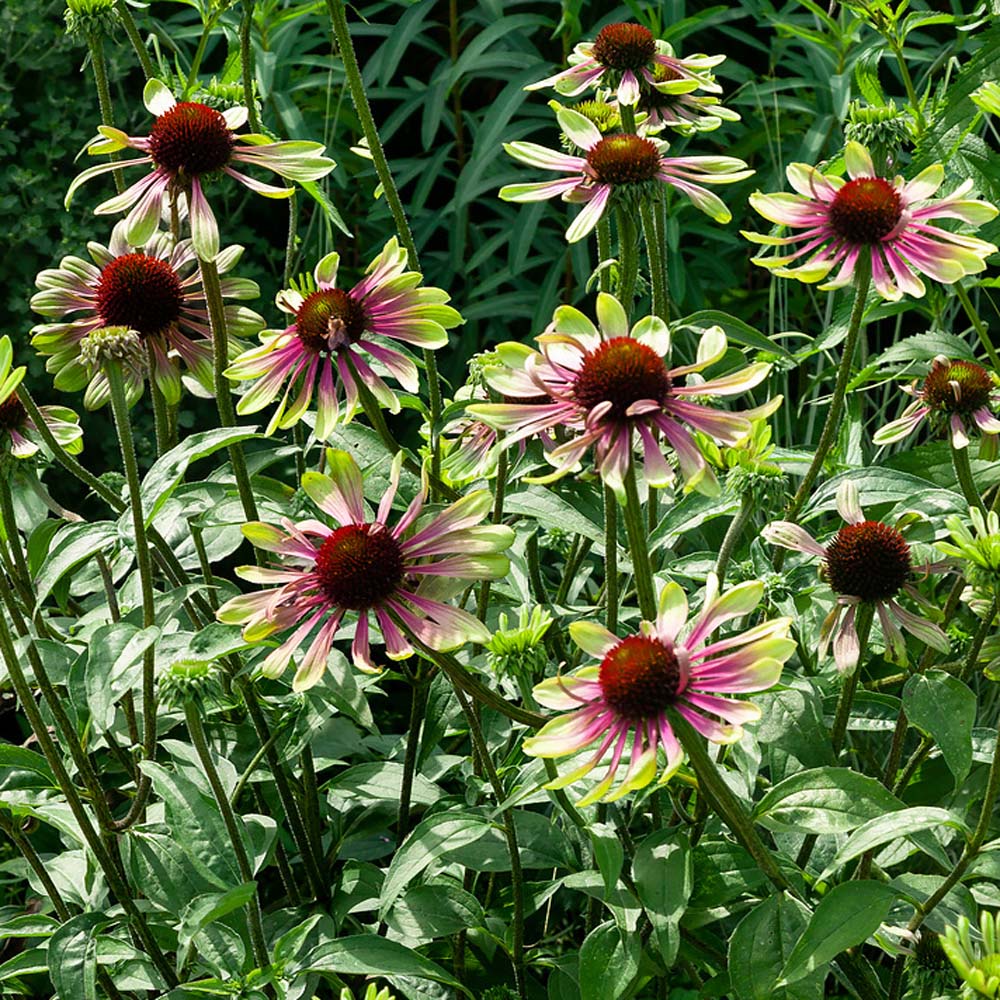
(865,210)
(191,138)
(870,561)
(624,46)
(140,292)
(621,371)
(359,566)
(640,677)
(624,159)
(12,413)
(957,387)
(329,319)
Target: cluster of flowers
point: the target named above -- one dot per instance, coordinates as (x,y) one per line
(605,392)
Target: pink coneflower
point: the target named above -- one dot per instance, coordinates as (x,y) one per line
(864,562)
(960,391)
(18,433)
(367,567)
(158,293)
(623,54)
(685,112)
(188,143)
(641,676)
(333,335)
(619,163)
(869,216)
(611,389)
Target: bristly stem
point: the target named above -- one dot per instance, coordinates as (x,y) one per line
(355,83)
(733,534)
(419,685)
(123,427)
(977,324)
(510,833)
(96,45)
(604,253)
(21,577)
(963,472)
(236,836)
(161,419)
(831,427)
(199,54)
(657,263)
(247,64)
(638,544)
(500,490)
(128,22)
(610,559)
(628,260)
(223,396)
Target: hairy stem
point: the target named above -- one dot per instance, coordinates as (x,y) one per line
(610,558)
(128,23)
(978,325)
(963,471)
(638,544)
(247,64)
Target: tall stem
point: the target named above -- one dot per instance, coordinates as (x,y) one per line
(833,417)
(123,427)
(638,544)
(199,54)
(161,421)
(108,863)
(604,252)
(418,705)
(963,471)
(247,64)
(611,558)
(236,837)
(96,45)
(341,31)
(223,397)
(21,575)
(510,833)
(128,22)
(628,260)
(978,325)
(657,263)
(733,534)
(863,623)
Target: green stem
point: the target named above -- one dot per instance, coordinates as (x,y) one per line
(16,834)
(128,22)
(627,112)
(293,224)
(832,425)
(418,706)
(236,835)
(611,559)
(123,427)
(108,864)
(733,534)
(657,263)
(96,45)
(713,786)
(963,470)
(247,65)
(628,260)
(638,544)
(483,598)
(510,833)
(199,54)
(604,253)
(978,325)
(338,18)
(310,801)
(161,421)
(911,93)
(223,396)
(22,575)
(863,624)
(255,762)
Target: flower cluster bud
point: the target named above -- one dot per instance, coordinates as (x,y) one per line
(882,130)
(112,343)
(187,681)
(90,18)
(520,650)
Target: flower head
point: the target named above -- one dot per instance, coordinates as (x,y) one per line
(156,292)
(681,110)
(333,334)
(188,143)
(397,574)
(610,389)
(623,55)
(961,392)
(978,549)
(865,562)
(978,963)
(640,678)
(872,217)
(618,166)
(520,649)
(18,433)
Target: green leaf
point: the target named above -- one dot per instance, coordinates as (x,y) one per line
(760,946)
(73,957)
(845,917)
(381,781)
(925,347)
(203,910)
(943,707)
(883,829)
(76,543)
(426,912)
(609,960)
(321,198)
(369,955)
(114,666)
(825,800)
(876,485)
(866,75)
(168,470)
(431,838)
(608,852)
(735,329)
(662,871)
(15,758)
(552,511)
